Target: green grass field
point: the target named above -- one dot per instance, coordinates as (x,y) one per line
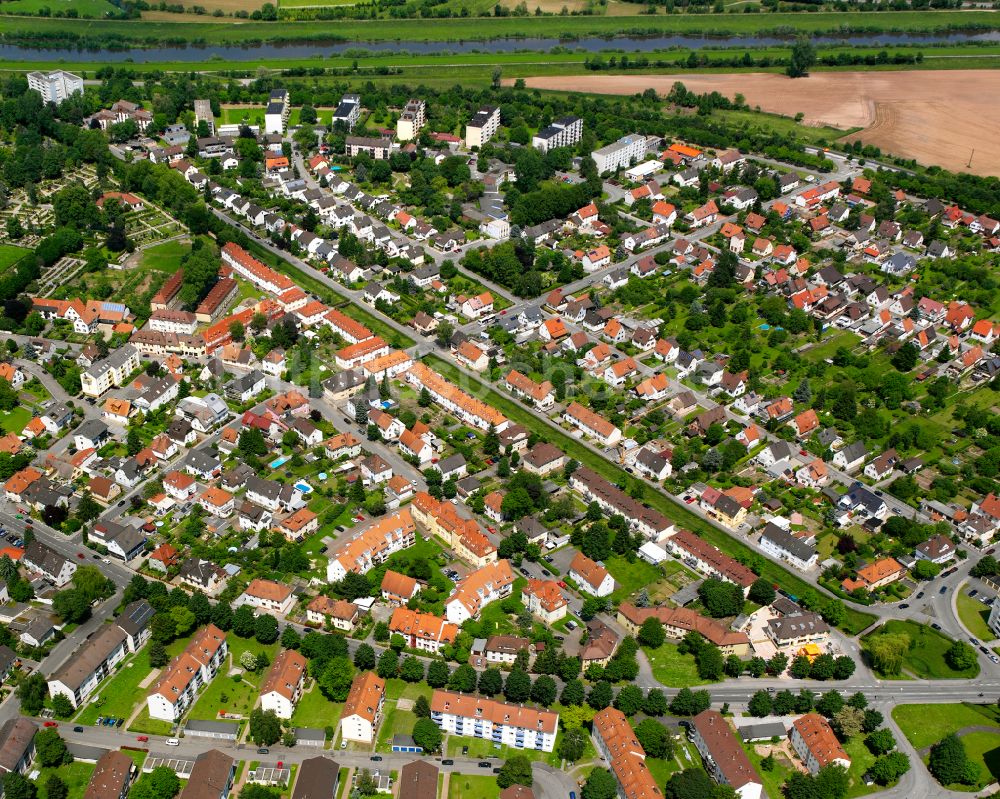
(856,621)
(925,725)
(76,776)
(456,29)
(973,614)
(121,693)
(88,9)
(14,421)
(672,668)
(143,723)
(925,660)
(315,710)
(395,722)
(10,254)
(630,577)
(165,257)
(472,786)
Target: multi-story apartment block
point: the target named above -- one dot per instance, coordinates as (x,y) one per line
(483,126)
(389,534)
(504,724)
(468,409)
(624,152)
(253,270)
(618,745)
(411,120)
(706,559)
(196,666)
(77,678)
(478,589)
(111,371)
(276,113)
(379,149)
(594,488)
(422,631)
(545,600)
(723,755)
(348,111)
(363,708)
(814,741)
(55,86)
(592,424)
(282,688)
(203,113)
(441,518)
(563,132)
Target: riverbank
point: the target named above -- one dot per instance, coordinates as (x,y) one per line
(55,33)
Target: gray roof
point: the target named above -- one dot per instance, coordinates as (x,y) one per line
(135,617)
(855,451)
(788,542)
(788,627)
(212,726)
(92,429)
(762,731)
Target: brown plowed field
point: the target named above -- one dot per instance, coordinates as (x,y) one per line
(935,116)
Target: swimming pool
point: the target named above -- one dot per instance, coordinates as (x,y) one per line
(304,487)
(279,461)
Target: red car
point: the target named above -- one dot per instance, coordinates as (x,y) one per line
(80,555)
(492,530)
(562,584)
(50,724)
(359,518)
(142,738)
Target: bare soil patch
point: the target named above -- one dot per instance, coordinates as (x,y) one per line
(939,117)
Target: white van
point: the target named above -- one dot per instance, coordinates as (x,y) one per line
(173,742)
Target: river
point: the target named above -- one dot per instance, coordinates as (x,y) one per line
(593,44)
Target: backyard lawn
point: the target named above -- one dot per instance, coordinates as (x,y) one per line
(925,660)
(672,668)
(315,710)
(76,776)
(143,723)
(395,722)
(630,578)
(469,786)
(396,688)
(229,693)
(973,614)
(14,421)
(120,694)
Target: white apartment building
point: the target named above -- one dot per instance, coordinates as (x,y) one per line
(563,132)
(348,111)
(77,678)
(173,321)
(363,708)
(276,113)
(111,371)
(499,722)
(55,86)
(624,152)
(483,126)
(478,589)
(196,666)
(411,120)
(283,687)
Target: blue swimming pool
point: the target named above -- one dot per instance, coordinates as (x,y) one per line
(304,487)
(278,461)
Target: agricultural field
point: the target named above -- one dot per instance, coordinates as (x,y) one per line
(86,9)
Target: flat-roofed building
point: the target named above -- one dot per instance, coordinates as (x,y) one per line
(55,86)
(563,132)
(483,126)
